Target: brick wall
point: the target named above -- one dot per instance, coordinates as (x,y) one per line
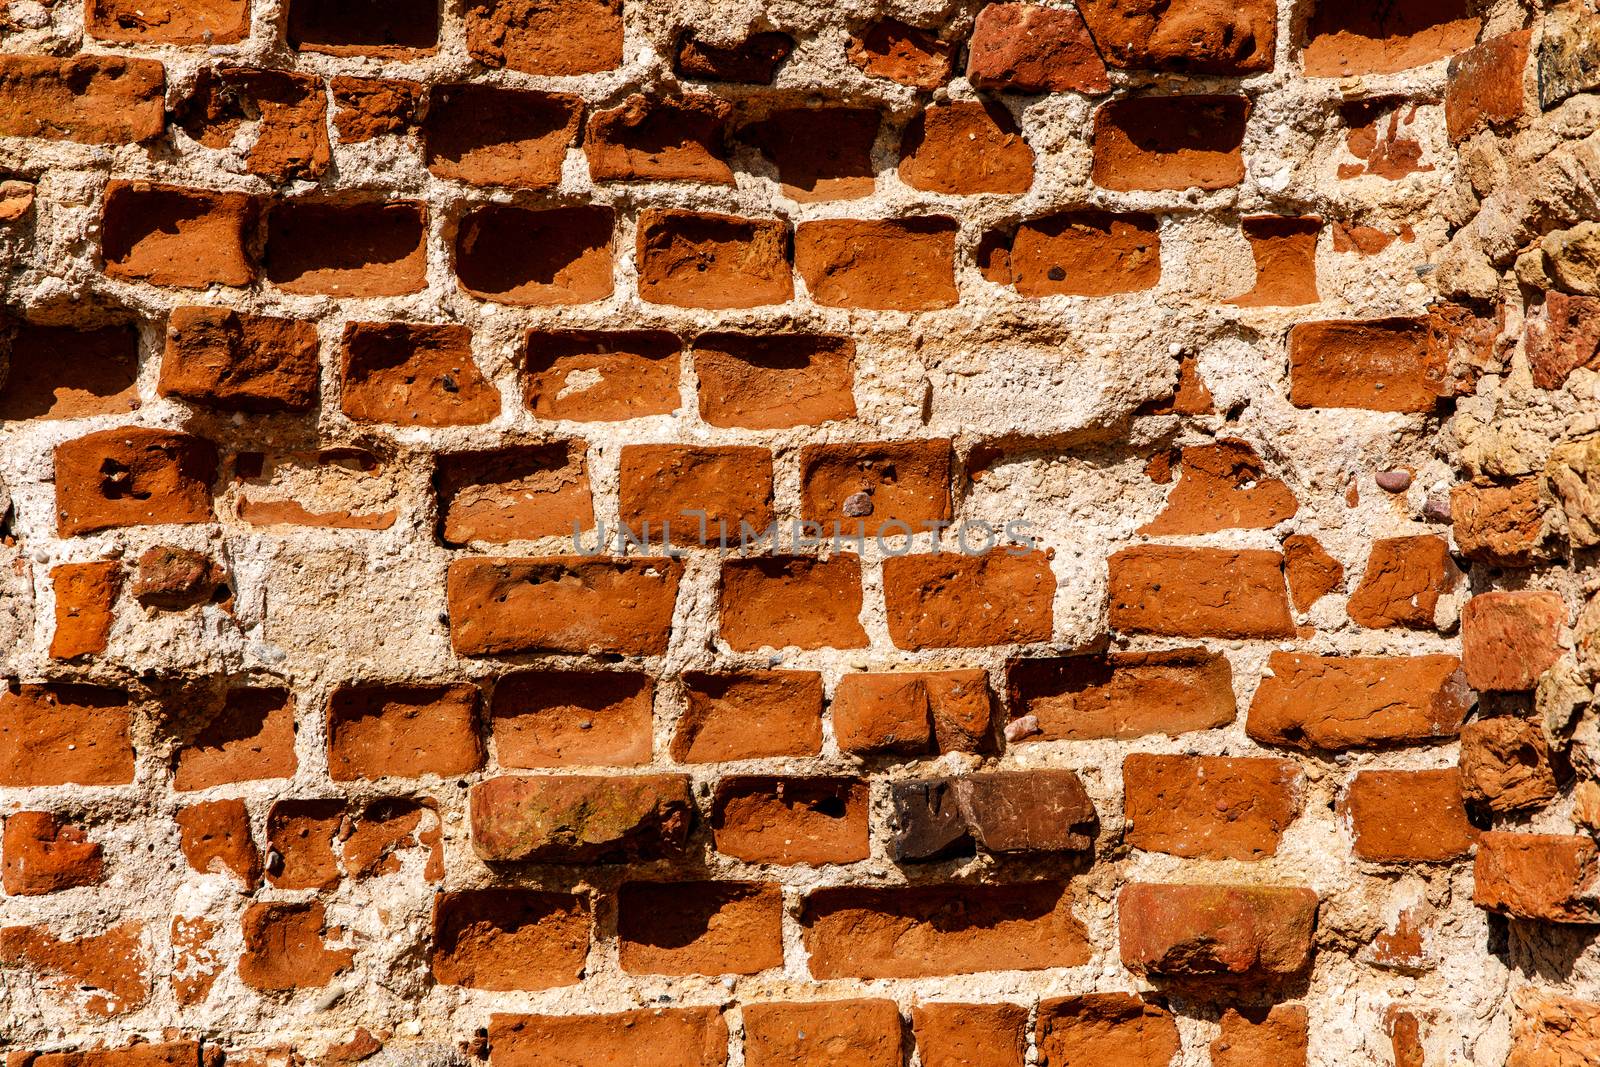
(1170,432)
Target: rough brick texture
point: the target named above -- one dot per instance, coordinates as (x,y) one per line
(571,533)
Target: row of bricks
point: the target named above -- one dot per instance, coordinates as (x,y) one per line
(422,374)
(554,718)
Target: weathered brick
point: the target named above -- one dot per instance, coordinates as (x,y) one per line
(914,932)
(64,734)
(1343,41)
(752,61)
(559,37)
(1311,571)
(1285,254)
(791,820)
(1404,579)
(44,854)
(215,837)
(1509,639)
(287,112)
(821,153)
(912,713)
(512,255)
(509,939)
(700,927)
(1253,1035)
(1123,694)
(783,601)
(1194,36)
(970,1035)
(486,135)
(1546,877)
(1407,816)
(997,811)
(95,99)
(519,492)
(580,819)
(1209,807)
(749,715)
(85,595)
(400,29)
(774,381)
(672,1037)
(107,973)
(132,477)
(889,265)
(285,947)
(168,235)
(1030,48)
(905,484)
(247,736)
(1338,702)
(953,600)
(545,718)
(663,485)
(677,138)
(1501,525)
(168,21)
(1170,142)
(902,53)
(601,375)
(965,148)
(1223,486)
(1551,1031)
(1079,253)
(220,358)
(403,731)
(1377,364)
(374,107)
(347,248)
(1110,1028)
(1217,934)
(1199,592)
(1505,764)
(59,372)
(413,374)
(562,604)
(1486,84)
(843,1033)
(303,834)
(139,1054)
(702,260)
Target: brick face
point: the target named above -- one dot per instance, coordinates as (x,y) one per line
(1142,612)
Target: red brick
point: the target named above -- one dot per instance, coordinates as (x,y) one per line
(1170,142)
(902,53)
(752,61)
(288,114)
(1345,40)
(1285,254)
(821,153)
(1252,1035)
(215,837)
(139,1054)
(674,138)
(1545,877)
(791,820)
(774,381)
(1199,592)
(94,99)
(284,948)
(970,1035)
(413,374)
(841,1033)
(546,718)
(168,235)
(1312,573)
(1551,1031)
(486,135)
(1209,807)
(546,36)
(1193,36)
(132,477)
(1338,702)
(64,735)
(1376,364)
(662,484)
(210,22)
(347,248)
(913,713)
(580,819)
(1123,694)
(302,833)
(44,854)
(922,931)
(700,927)
(1509,639)
(753,715)
(905,482)
(1501,525)
(172,579)
(1407,816)
(1217,934)
(542,258)
(403,731)
(1223,486)
(107,974)
(1116,1029)
(58,372)
(85,595)
(1505,764)
(282,488)
(247,737)
(965,148)
(520,492)
(1081,253)
(374,107)
(602,375)
(1565,337)
(791,601)
(562,604)
(1404,579)
(220,358)
(399,29)
(951,600)
(509,939)
(1001,812)
(1029,48)
(699,260)
(887,265)
(672,1037)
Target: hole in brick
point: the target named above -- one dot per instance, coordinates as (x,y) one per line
(182,237)
(55,372)
(546,36)
(516,256)
(660,139)
(1170,142)
(822,153)
(377,27)
(1344,38)
(713,261)
(601,375)
(414,374)
(347,248)
(774,381)
(753,61)
(515,493)
(490,136)
(1285,253)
